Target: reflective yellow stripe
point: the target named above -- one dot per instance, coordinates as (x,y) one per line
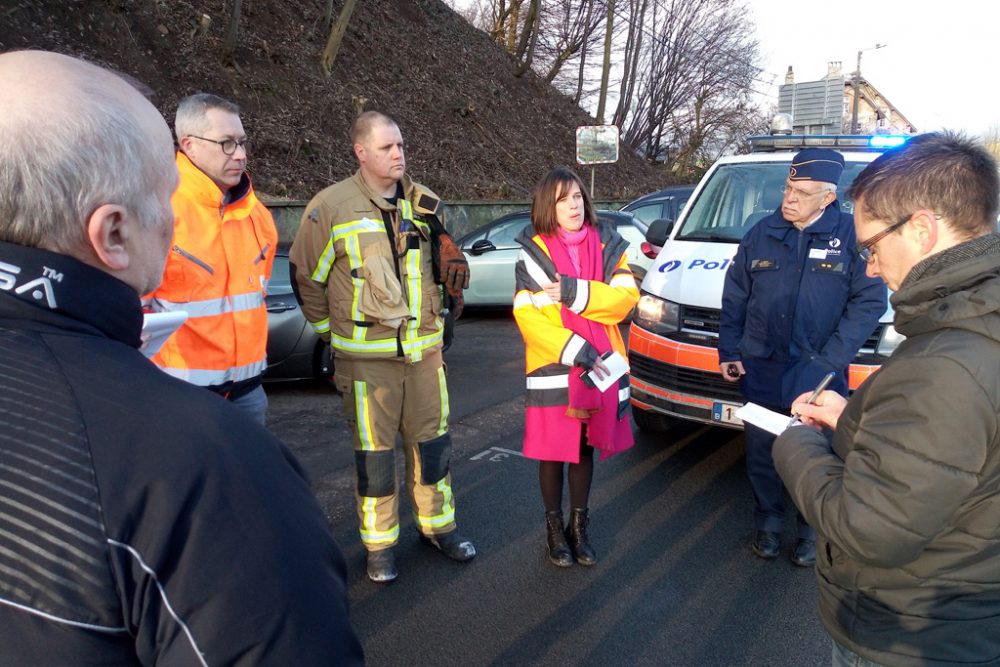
(362,346)
(323,326)
(416,304)
(324,263)
(445,406)
(366,434)
(417,345)
(447,515)
(353,249)
(355,227)
(423,342)
(368,533)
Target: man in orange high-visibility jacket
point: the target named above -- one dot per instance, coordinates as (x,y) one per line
(220,260)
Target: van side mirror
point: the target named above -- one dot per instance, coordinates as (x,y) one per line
(659,231)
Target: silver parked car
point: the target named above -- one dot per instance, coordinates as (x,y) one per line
(492,254)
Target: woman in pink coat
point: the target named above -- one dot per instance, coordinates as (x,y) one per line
(573,288)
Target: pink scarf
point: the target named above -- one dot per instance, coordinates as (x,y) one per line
(599,411)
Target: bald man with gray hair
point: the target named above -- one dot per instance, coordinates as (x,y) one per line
(142,520)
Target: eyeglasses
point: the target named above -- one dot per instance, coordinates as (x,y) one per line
(864,248)
(801,194)
(229,146)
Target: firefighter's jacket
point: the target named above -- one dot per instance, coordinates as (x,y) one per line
(343,239)
(217,271)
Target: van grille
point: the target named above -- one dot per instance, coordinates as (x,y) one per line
(700,326)
(685,380)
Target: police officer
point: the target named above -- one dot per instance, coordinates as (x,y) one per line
(362,261)
(796,305)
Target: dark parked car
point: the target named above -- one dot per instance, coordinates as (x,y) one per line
(492,254)
(294,351)
(662,205)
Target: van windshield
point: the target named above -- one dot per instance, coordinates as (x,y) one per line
(738,195)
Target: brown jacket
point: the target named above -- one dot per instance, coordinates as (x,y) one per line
(341,239)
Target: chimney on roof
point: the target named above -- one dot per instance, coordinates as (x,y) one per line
(789,76)
(834,68)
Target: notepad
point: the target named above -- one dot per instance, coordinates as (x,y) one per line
(617,366)
(157,328)
(761,417)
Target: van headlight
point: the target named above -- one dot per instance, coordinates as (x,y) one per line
(657,315)
(889,340)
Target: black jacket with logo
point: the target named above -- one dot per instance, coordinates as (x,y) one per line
(142,520)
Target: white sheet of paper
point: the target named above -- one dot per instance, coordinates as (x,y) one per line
(617,365)
(770,421)
(157,328)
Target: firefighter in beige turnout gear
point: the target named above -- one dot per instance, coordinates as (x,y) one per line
(362,266)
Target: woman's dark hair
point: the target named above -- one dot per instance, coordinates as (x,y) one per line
(543,204)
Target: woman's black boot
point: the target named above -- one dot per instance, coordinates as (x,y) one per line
(558,550)
(577,534)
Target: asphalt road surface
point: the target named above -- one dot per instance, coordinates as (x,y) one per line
(670,519)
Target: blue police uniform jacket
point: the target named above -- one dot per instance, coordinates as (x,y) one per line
(796,305)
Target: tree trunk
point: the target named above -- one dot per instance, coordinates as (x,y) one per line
(633,49)
(606,71)
(526,47)
(328,14)
(232,31)
(336,37)
(583,54)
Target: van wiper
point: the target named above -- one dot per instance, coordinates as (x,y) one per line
(708,236)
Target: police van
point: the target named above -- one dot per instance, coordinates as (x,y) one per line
(673,337)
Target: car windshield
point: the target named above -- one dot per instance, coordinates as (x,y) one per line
(738,195)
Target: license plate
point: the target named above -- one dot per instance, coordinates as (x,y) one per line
(726,413)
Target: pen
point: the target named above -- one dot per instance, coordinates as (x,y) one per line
(819,389)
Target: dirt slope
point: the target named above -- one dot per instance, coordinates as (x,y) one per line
(473,131)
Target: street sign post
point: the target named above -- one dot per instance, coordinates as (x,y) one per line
(596,144)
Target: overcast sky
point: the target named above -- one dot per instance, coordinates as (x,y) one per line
(940,67)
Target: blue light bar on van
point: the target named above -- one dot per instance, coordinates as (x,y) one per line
(887,140)
(850,142)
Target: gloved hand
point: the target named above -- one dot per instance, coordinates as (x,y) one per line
(453,266)
(454,303)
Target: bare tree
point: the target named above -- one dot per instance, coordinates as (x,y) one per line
(336,37)
(693,80)
(328,14)
(583,55)
(633,49)
(524,52)
(539,36)
(232,32)
(678,74)
(606,66)
(567,33)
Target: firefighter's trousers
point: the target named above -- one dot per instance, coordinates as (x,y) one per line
(383,397)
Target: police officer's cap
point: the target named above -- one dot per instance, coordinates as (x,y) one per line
(817,164)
